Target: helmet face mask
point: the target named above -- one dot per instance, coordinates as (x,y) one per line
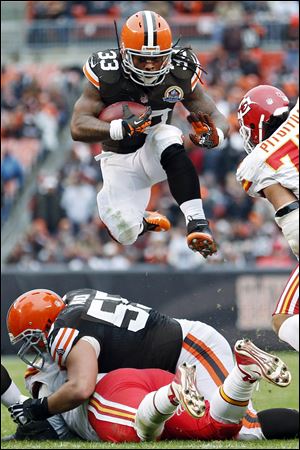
(146,35)
(255,111)
(32,350)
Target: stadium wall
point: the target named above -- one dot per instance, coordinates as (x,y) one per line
(237,303)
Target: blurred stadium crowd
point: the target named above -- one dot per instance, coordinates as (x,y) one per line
(36,105)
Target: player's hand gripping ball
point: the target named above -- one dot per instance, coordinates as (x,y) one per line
(135,117)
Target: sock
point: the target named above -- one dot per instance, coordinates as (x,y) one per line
(182,177)
(230,402)
(289,331)
(192,209)
(164,401)
(10,393)
(152,413)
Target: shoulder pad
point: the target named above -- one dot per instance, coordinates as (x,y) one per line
(184,63)
(106,65)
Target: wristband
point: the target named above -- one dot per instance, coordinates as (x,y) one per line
(116,130)
(221,135)
(287,209)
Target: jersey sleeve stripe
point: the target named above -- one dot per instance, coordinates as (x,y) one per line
(58,346)
(195,78)
(67,347)
(91,76)
(246,185)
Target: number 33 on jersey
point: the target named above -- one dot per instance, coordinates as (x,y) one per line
(275,160)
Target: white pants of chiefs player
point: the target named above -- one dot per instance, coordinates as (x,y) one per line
(205,347)
(288,302)
(127,181)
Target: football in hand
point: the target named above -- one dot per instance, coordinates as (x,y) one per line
(115,111)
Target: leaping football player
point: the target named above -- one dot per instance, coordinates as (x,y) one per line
(140,151)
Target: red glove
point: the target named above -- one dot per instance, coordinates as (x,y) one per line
(206,131)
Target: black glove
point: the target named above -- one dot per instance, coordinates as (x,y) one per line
(41,430)
(31,410)
(134,125)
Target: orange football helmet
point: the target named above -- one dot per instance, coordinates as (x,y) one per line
(28,321)
(255,111)
(146,34)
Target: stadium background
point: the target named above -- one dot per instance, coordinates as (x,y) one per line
(51,235)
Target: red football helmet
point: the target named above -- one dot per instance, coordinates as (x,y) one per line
(28,321)
(146,34)
(255,110)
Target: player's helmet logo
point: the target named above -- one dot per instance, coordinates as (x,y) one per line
(29,320)
(146,34)
(255,110)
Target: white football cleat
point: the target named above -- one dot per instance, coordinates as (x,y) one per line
(255,364)
(186,391)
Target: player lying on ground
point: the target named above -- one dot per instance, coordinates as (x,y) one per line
(135,405)
(112,333)
(271,171)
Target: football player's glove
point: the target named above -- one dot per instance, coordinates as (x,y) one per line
(41,430)
(134,125)
(206,132)
(32,409)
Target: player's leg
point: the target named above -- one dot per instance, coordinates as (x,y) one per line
(205,347)
(285,320)
(123,197)
(160,404)
(231,401)
(113,406)
(10,393)
(166,158)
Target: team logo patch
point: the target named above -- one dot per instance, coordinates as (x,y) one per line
(173,94)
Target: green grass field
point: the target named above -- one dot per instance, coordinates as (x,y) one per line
(268,396)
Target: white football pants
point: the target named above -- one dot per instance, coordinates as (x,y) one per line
(127,181)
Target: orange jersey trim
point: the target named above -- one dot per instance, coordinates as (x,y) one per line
(250,420)
(90,78)
(30,371)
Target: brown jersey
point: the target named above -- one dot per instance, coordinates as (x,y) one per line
(104,70)
(129,334)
